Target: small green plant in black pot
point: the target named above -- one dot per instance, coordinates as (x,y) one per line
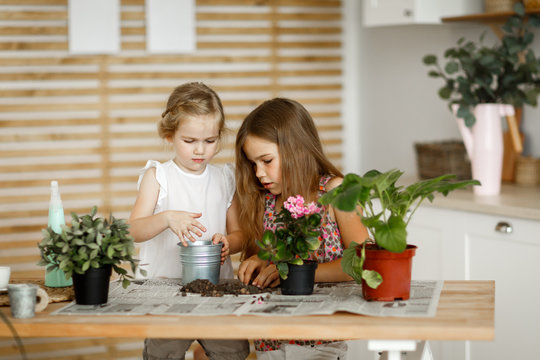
(90,244)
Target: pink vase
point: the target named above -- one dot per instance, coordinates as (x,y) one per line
(484,144)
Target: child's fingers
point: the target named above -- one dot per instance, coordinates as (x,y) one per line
(197,225)
(224,255)
(245,271)
(188,234)
(180,235)
(268,276)
(194,230)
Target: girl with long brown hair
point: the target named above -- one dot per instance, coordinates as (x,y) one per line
(279,154)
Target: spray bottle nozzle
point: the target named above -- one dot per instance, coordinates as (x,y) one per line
(55,193)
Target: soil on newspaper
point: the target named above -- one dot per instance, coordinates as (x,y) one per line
(206,288)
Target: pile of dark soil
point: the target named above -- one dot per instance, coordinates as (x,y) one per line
(233,287)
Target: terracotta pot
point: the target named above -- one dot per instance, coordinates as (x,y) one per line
(395,269)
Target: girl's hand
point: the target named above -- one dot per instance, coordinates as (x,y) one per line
(184,225)
(220,238)
(268,277)
(266,274)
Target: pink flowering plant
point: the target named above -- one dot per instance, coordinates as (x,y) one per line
(296,235)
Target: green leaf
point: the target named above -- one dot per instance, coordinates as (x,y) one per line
(349,263)
(372,278)
(445,92)
(85,266)
(268,238)
(452,67)
(313,243)
(110,252)
(283,270)
(519,8)
(263,255)
(120,270)
(392,235)
(429,59)
(347,199)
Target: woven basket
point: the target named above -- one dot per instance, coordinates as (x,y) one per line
(440,158)
(527,171)
(493,6)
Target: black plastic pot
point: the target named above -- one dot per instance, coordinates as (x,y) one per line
(92,287)
(300,280)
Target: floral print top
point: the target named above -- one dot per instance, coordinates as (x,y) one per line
(331,248)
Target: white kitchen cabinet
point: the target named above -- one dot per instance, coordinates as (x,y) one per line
(467,245)
(401,12)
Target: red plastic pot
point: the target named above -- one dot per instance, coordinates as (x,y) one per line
(395,269)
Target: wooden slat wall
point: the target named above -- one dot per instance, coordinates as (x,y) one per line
(90,121)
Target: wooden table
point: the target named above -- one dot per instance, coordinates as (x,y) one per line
(466,312)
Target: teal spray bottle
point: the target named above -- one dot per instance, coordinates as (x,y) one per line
(56,277)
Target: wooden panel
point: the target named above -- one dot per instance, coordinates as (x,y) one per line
(90,121)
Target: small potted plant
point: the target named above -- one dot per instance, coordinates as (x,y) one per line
(291,246)
(483,84)
(88,250)
(383,264)
(505,73)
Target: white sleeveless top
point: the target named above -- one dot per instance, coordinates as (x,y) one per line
(209,193)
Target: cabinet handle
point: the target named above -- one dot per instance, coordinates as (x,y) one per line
(504,227)
(407,12)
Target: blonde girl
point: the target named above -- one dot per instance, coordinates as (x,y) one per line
(279,154)
(185,199)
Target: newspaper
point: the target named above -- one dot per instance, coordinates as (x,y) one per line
(164,297)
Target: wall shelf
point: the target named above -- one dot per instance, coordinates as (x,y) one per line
(486,17)
(493,20)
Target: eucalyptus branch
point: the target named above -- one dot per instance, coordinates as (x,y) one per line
(506,72)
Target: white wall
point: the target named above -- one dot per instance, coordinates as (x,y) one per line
(396,102)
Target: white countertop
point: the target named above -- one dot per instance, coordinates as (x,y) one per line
(514,200)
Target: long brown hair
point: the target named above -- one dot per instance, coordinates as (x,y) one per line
(289,125)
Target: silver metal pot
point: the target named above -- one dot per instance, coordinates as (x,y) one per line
(200,260)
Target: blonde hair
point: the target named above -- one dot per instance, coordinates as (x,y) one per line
(289,125)
(188,100)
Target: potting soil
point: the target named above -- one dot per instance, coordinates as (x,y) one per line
(233,287)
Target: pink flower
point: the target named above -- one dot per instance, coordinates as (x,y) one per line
(295,205)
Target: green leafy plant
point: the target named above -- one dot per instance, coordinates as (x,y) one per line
(386,209)
(89,242)
(507,72)
(296,235)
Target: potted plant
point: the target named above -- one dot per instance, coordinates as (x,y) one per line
(483,83)
(386,209)
(292,244)
(505,73)
(87,251)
